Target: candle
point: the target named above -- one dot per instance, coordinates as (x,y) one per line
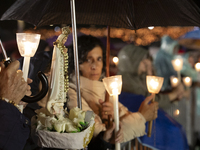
(113,85)
(174,81)
(178,64)
(115,60)
(27,45)
(187,81)
(197,66)
(176,112)
(154,85)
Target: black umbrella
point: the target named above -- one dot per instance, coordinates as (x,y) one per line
(132,14)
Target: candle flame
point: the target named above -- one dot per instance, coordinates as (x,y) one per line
(178,62)
(175,80)
(176,112)
(115,60)
(187,79)
(154,84)
(197,66)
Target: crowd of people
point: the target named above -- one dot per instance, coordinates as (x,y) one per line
(134,64)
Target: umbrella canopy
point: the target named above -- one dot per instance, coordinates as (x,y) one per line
(191,39)
(132,14)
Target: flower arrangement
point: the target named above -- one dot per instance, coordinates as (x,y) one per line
(71,122)
(63,129)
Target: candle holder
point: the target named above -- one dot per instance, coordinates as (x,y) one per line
(113,85)
(154,85)
(197,67)
(27,45)
(178,64)
(174,81)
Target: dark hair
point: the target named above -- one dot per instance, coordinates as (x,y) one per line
(85,44)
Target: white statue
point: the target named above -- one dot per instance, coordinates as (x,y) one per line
(59,75)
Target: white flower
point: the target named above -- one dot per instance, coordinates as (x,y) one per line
(59,126)
(49,122)
(78,114)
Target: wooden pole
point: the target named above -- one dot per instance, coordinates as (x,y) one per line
(150,122)
(109,121)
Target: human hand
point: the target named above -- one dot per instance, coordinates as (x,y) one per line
(106,109)
(12,85)
(109,134)
(149,111)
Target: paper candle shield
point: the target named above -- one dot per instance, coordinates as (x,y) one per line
(27,43)
(51,139)
(113,84)
(177,64)
(154,83)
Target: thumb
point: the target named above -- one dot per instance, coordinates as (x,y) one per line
(148,99)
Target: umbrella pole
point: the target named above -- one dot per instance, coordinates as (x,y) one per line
(109,121)
(76,63)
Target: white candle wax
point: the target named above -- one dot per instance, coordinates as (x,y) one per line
(26,67)
(116,118)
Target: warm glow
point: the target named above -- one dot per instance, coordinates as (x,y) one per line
(197,66)
(187,81)
(154,84)
(28,48)
(151,27)
(27,43)
(115,60)
(177,64)
(174,81)
(176,112)
(113,84)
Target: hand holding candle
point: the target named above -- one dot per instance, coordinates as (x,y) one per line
(113,85)
(27,45)
(154,85)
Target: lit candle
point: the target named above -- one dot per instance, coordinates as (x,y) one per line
(116,60)
(187,81)
(178,64)
(197,66)
(27,45)
(113,85)
(154,85)
(174,81)
(176,112)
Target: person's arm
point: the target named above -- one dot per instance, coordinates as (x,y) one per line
(14,127)
(133,124)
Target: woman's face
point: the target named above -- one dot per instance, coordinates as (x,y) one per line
(92,67)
